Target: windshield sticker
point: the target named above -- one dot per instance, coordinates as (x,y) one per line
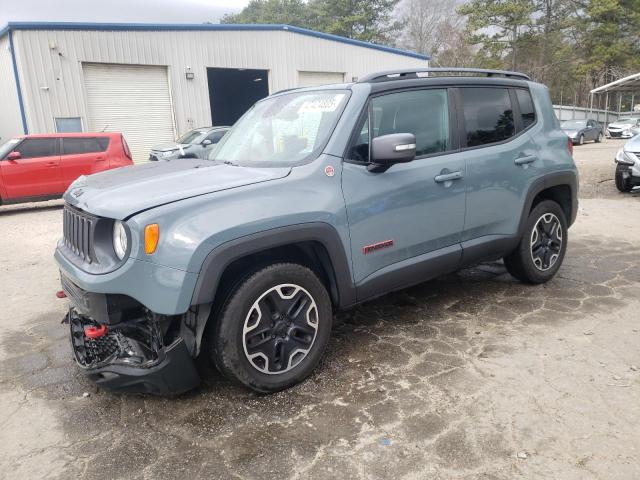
(323,104)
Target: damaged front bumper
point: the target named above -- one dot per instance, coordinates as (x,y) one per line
(130,349)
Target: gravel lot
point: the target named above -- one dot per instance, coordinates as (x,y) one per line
(469,376)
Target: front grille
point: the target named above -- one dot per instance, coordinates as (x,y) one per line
(615,134)
(78,233)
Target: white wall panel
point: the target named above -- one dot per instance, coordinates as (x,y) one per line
(50,64)
(10,121)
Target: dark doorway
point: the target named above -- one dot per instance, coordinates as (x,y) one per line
(232,91)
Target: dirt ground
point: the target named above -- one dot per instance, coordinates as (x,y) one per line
(473,375)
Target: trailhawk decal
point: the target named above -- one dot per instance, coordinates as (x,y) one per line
(377,246)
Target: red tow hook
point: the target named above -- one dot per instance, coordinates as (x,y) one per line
(61,294)
(95,332)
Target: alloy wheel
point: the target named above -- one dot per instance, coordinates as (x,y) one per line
(280,329)
(546,242)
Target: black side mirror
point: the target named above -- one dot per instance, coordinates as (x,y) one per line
(388,150)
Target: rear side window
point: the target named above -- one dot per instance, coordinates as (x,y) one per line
(527,110)
(488,115)
(37,147)
(75,146)
(425,113)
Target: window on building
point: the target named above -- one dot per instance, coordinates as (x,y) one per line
(37,147)
(488,115)
(527,110)
(69,125)
(425,113)
(76,146)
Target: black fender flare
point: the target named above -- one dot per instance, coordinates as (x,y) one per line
(223,255)
(554,179)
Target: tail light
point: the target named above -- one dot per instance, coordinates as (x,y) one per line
(127,152)
(570,146)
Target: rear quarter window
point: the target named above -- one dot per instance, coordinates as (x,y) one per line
(76,146)
(527,109)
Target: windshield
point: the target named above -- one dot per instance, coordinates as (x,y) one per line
(283,130)
(626,120)
(574,124)
(7,147)
(191,137)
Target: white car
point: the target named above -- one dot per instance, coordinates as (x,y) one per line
(622,128)
(628,165)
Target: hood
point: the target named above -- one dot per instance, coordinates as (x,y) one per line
(166,147)
(125,191)
(621,125)
(633,145)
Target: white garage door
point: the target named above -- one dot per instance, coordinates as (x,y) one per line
(133,100)
(311,79)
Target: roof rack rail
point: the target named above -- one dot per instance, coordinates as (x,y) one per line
(413,73)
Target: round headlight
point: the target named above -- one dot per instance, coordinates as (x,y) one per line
(119,239)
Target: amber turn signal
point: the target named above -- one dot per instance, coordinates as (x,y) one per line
(151,237)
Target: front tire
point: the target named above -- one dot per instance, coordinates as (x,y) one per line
(542,247)
(581,140)
(273,329)
(623,183)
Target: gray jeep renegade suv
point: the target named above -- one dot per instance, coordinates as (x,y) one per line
(317,199)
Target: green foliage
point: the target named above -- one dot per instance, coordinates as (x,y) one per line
(368,20)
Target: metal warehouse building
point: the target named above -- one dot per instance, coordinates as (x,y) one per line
(154,82)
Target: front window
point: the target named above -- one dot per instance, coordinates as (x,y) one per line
(192,137)
(284,130)
(8,147)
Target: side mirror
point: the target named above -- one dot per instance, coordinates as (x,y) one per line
(206,142)
(14,156)
(388,150)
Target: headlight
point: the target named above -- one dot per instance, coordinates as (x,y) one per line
(624,158)
(119,239)
(168,153)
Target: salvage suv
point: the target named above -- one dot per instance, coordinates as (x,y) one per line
(317,199)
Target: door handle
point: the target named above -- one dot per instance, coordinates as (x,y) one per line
(100,159)
(525,160)
(447,177)
(52,164)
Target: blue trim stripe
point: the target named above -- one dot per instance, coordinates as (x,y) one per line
(201,27)
(25,129)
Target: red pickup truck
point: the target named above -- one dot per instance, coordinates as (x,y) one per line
(41,167)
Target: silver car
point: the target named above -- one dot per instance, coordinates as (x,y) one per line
(197,143)
(628,165)
(622,128)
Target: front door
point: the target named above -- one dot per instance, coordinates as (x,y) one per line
(412,209)
(36,173)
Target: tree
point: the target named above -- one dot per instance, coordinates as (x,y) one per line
(497,26)
(434,27)
(368,20)
(289,12)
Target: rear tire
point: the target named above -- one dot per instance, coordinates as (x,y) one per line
(273,328)
(599,138)
(542,247)
(622,184)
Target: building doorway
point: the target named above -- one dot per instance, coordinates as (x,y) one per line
(232,91)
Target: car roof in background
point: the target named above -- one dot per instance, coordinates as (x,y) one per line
(70,135)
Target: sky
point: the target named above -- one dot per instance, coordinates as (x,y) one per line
(132,11)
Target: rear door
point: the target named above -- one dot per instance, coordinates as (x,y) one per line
(36,173)
(82,156)
(501,158)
